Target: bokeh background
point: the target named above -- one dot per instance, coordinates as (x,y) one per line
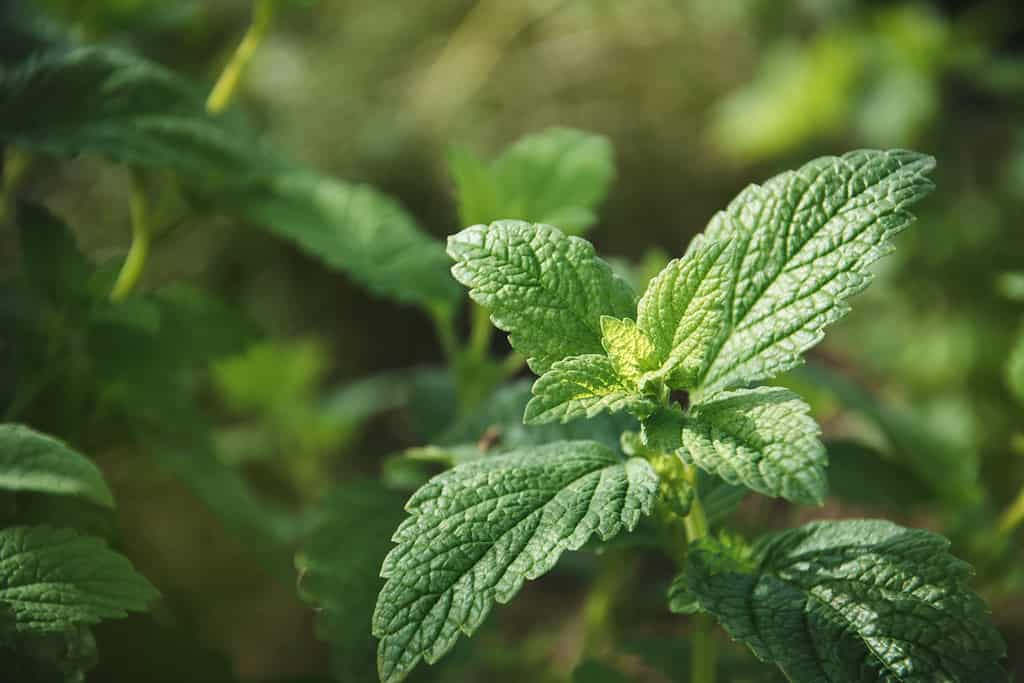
(698,99)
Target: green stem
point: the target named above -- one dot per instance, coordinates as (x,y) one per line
(224,89)
(480,334)
(704,650)
(444,326)
(131,271)
(1012,516)
(16,163)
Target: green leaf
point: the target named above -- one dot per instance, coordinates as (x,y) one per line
(683,311)
(581,386)
(30,461)
(546,289)
(802,245)
(102,101)
(631,352)
(476,191)
(342,583)
(356,229)
(556,177)
(52,579)
(853,600)
(477,532)
(761,438)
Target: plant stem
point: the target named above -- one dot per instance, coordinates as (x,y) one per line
(1012,516)
(704,649)
(137,253)
(224,89)
(15,162)
(480,334)
(445,329)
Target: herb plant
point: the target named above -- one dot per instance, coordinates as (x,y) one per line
(837,601)
(651,418)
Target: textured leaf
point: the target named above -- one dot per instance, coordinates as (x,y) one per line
(30,461)
(580,386)
(851,601)
(557,177)
(802,244)
(546,289)
(761,438)
(356,229)
(52,579)
(103,101)
(631,352)
(341,583)
(683,311)
(477,532)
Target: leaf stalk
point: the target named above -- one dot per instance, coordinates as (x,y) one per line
(226,85)
(135,262)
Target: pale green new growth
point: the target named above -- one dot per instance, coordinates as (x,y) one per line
(761,438)
(853,600)
(557,177)
(546,289)
(30,461)
(51,579)
(631,352)
(477,532)
(683,311)
(802,245)
(580,386)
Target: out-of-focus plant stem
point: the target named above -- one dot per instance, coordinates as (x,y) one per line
(704,648)
(1012,516)
(227,84)
(135,262)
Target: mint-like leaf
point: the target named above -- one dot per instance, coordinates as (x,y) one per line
(557,177)
(51,579)
(30,461)
(631,352)
(354,228)
(477,532)
(853,600)
(684,311)
(761,438)
(581,386)
(546,289)
(802,244)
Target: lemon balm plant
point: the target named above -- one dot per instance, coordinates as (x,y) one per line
(830,601)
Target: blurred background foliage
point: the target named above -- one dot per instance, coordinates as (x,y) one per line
(920,390)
